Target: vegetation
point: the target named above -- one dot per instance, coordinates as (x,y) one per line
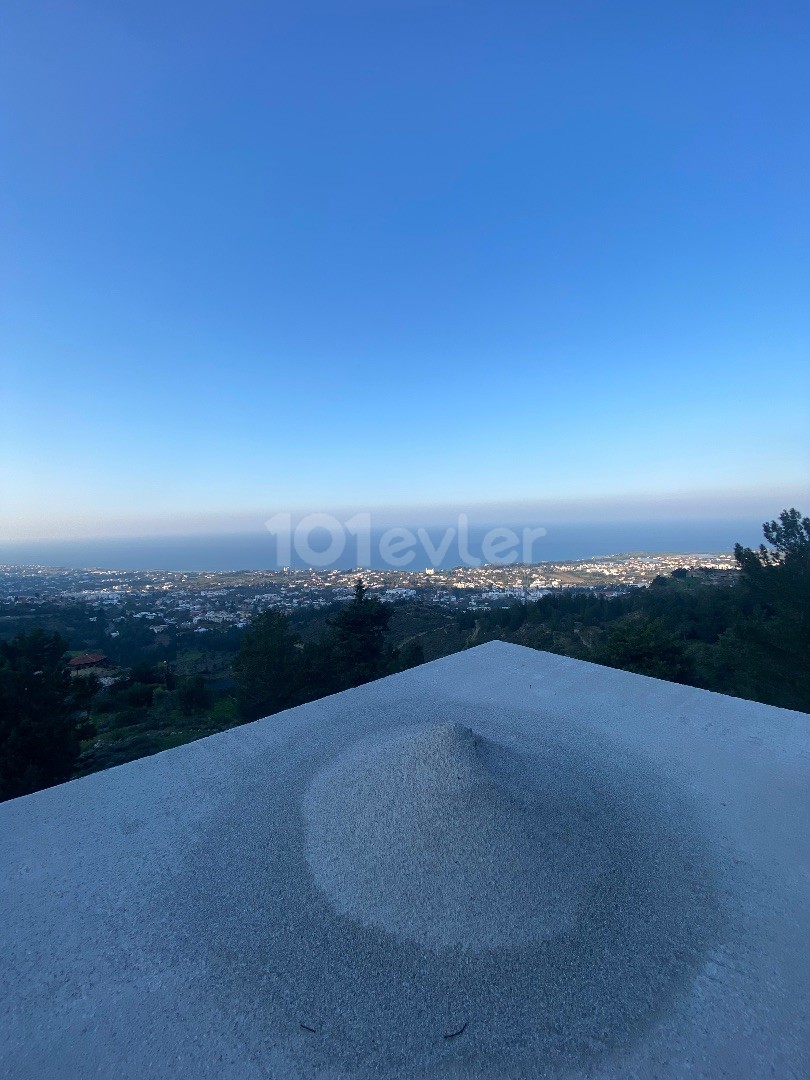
(749,639)
(276,669)
(268,667)
(43,715)
(771,645)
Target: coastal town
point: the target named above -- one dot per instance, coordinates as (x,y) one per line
(203,601)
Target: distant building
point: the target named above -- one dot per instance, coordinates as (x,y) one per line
(90,663)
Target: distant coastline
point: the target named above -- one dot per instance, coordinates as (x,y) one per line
(257,550)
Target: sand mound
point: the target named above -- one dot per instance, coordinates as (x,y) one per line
(431,835)
(542,890)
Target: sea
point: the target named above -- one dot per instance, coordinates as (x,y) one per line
(430,548)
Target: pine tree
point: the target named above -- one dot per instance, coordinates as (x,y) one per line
(356,640)
(267,667)
(770,647)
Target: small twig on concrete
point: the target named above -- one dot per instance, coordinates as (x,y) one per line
(461,1030)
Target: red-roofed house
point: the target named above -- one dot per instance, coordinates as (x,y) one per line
(94,663)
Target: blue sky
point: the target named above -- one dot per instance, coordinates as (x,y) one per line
(272,256)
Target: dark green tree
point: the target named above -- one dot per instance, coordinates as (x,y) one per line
(267,667)
(769,648)
(410,654)
(356,640)
(42,713)
(790,539)
(647,647)
(194,695)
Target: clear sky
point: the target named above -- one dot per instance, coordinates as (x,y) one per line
(262,256)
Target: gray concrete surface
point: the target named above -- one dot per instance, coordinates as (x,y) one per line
(580,871)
